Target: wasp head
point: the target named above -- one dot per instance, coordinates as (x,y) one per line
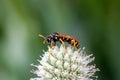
(48,39)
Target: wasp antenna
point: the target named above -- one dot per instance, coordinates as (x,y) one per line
(41,36)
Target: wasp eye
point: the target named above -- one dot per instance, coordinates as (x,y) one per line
(48,40)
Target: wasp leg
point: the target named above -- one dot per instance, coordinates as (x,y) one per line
(63,45)
(52,44)
(44,41)
(73,43)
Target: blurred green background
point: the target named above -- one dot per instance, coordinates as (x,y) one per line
(95,22)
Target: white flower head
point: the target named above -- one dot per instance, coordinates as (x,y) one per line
(69,64)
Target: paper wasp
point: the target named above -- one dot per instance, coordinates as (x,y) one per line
(58,37)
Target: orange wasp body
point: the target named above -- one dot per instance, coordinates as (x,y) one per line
(58,37)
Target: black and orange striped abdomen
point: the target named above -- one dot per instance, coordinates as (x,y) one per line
(71,40)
